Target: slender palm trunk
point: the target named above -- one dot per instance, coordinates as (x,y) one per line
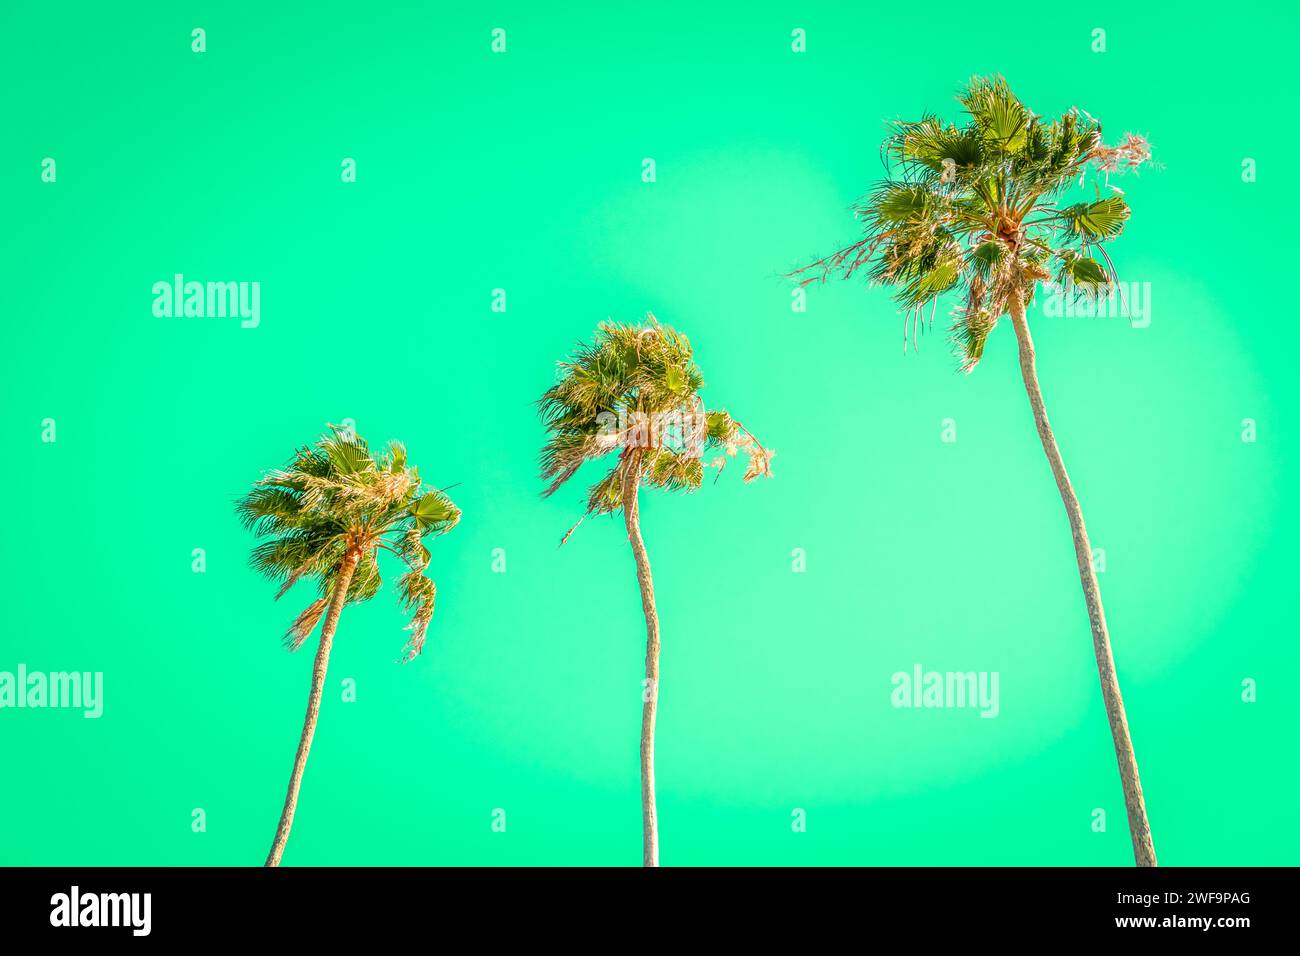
(313,706)
(1143,849)
(650,693)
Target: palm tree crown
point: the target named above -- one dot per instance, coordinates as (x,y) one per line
(975,209)
(334,501)
(635,390)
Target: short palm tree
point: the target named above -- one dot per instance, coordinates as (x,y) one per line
(634,394)
(326,517)
(977,210)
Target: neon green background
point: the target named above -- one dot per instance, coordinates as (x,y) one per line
(523,171)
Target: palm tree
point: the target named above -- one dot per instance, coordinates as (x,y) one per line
(635,393)
(327,515)
(977,210)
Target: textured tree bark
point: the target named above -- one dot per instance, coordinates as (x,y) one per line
(1139,829)
(337,600)
(650,693)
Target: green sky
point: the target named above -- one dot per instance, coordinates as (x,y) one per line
(522,171)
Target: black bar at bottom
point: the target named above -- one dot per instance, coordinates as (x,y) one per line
(570,904)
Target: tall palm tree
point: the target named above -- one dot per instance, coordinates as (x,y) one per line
(327,515)
(634,393)
(977,210)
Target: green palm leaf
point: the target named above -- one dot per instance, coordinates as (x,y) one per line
(633,395)
(971,210)
(1096,221)
(334,500)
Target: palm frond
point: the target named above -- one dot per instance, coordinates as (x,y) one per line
(633,391)
(337,500)
(971,210)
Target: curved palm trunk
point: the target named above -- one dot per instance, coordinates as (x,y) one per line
(313,707)
(1140,830)
(650,695)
